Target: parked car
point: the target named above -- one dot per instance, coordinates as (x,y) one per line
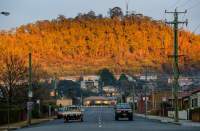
(123,110)
(60,112)
(73,113)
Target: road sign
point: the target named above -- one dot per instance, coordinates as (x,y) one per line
(29,105)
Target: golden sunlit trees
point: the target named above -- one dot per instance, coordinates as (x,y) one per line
(69,46)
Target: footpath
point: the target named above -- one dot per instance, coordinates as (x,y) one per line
(22,124)
(170,120)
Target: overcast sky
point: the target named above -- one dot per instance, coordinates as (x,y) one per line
(26,11)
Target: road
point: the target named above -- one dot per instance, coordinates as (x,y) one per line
(102,119)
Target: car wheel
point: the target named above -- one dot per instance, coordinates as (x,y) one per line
(130,118)
(116,118)
(81,119)
(66,120)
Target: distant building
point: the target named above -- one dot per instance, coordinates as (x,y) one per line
(110,91)
(90,83)
(148,78)
(183,81)
(99,100)
(64,102)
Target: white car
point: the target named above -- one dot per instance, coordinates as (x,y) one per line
(60,112)
(73,113)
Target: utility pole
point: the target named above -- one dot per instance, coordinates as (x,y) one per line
(145,91)
(55,87)
(30,94)
(133,99)
(8,111)
(175,23)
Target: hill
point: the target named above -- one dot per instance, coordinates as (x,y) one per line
(88,43)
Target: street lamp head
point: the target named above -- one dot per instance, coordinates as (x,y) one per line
(5,13)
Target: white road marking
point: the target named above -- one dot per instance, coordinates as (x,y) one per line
(100,118)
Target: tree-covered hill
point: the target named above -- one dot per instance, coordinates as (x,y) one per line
(88,43)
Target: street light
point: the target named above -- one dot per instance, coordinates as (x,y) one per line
(8,98)
(5,13)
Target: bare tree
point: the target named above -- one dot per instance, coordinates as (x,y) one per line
(13,74)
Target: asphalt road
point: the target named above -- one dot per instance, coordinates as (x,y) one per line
(102,119)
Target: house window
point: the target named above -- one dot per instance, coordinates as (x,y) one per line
(194,102)
(1,94)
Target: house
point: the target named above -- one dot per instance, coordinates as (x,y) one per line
(99,100)
(195,105)
(90,83)
(195,99)
(110,91)
(64,102)
(157,97)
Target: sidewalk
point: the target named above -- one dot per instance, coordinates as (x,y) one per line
(170,120)
(23,124)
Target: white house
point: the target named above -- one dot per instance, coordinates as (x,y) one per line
(110,91)
(195,99)
(90,83)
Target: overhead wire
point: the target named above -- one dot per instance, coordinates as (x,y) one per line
(185,3)
(194,6)
(196,28)
(174,5)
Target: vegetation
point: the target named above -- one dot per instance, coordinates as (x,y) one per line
(106,77)
(90,42)
(13,74)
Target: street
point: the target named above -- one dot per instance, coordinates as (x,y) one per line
(102,119)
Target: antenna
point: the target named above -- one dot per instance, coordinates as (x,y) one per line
(127,9)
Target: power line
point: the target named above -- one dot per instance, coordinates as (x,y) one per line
(193,6)
(186,2)
(196,28)
(174,5)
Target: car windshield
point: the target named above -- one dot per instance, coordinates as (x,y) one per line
(73,108)
(60,109)
(123,106)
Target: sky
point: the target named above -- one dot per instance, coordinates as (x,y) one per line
(28,11)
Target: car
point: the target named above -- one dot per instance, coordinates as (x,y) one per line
(60,112)
(73,113)
(123,110)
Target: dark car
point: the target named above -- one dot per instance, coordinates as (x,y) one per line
(73,113)
(123,110)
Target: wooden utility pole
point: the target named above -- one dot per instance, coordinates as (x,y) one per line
(175,23)
(30,93)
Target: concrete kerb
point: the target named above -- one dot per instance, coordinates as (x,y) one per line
(159,119)
(4,128)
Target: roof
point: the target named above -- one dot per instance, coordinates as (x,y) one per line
(187,94)
(196,90)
